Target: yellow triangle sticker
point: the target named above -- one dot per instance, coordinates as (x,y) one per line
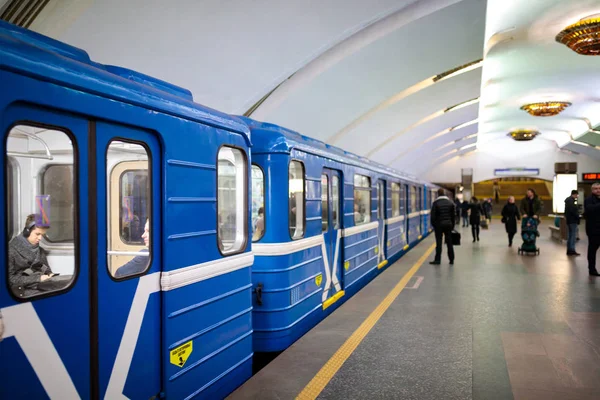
(179,355)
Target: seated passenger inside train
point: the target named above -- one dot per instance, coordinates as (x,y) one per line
(358,216)
(259,225)
(139,263)
(27,262)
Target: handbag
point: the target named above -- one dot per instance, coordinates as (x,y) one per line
(455,238)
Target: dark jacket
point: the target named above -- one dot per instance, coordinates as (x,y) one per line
(535,203)
(443,213)
(487,209)
(571,211)
(137,265)
(476,211)
(26,265)
(510,215)
(591,212)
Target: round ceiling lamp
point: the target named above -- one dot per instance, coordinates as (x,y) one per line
(582,37)
(545,109)
(523,135)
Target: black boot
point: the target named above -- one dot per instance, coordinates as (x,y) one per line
(593,272)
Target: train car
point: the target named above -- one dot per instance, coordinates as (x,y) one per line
(325,223)
(126,248)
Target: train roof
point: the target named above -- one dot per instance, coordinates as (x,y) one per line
(271,138)
(33,54)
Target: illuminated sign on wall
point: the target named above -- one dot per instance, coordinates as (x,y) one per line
(591,176)
(517,172)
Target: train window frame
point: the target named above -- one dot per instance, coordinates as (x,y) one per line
(381,201)
(413,199)
(13,202)
(396,206)
(403,200)
(324,203)
(335,201)
(76,244)
(149,155)
(264,204)
(367,188)
(244,203)
(289,209)
(61,245)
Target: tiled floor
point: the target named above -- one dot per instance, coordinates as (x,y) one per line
(495,325)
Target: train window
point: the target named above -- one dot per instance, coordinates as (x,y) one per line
(335,204)
(402,199)
(362,199)
(296,199)
(41,257)
(129,209)
(258,203)
(57,182)
(324,203)
(231,200)
(381,199)
(413,199)
(395,199)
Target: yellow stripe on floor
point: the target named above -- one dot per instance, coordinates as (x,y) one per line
(318,383)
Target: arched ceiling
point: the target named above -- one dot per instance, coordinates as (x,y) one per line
(378,78)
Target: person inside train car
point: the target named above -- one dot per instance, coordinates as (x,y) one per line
(510,216)
(531,205)
(442,220)
(139,263)
(27,262)
(475,217)
(358,216)
(259,226)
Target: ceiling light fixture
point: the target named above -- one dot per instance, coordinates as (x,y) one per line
(545,109)
(462,105)
(522,135)
(582,37)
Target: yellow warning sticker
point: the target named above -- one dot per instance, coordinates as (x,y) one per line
(346,265)
(376,249)
(389,243)
(319,279)
(179,355)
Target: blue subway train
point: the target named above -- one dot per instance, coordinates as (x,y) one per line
(151,245)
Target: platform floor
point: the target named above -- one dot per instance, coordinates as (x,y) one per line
(495,325)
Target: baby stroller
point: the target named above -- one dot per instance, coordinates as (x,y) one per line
(529,233)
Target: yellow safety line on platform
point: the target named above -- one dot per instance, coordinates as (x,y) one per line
(318,383)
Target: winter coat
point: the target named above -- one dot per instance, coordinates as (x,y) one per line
(443,214)
(536,204)
(26,265)
(510,215)
(571,211)
(137,265)
(476,212)
(487,209)
(592,215)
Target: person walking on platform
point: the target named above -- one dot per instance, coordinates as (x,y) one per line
(591,212)
(458,209)
(510,216)
(487,209)
(443,216)
(475,218)
(572,217)
(465,213)
(531,205)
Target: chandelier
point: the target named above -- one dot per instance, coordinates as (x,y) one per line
(582,37)
(522,135)
(546,109)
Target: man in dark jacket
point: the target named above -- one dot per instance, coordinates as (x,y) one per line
(591,212)
(443,216)
(572,217)
(531,205)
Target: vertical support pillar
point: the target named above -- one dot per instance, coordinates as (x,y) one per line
(466,180)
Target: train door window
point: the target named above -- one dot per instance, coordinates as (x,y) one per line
(324,203)
(41,187)
(395,199)
(335,204)
(420,198)
(413,199)
(402,199)
(362,199)
(258,203)
(129,208)
(231,200)
(296,199)
(381,200)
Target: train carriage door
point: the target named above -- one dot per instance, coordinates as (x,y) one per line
(332,235)
(44,295)
(128,179)
(381,216)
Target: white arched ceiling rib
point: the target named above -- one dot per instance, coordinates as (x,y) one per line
(409,12)
(422,132)
(467,147)
(441,41)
